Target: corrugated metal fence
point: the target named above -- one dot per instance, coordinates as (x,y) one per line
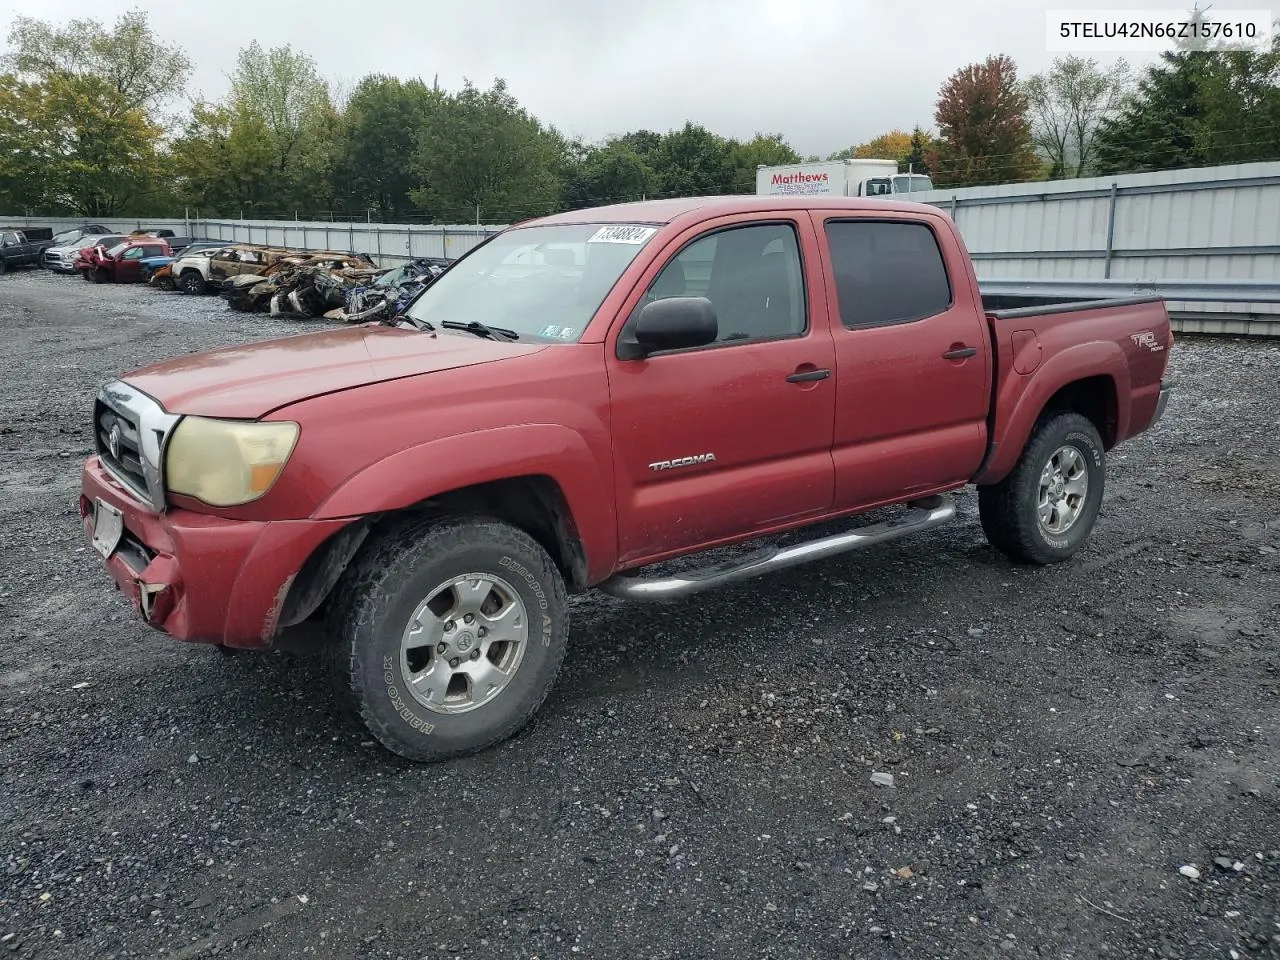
(387,242)
(1211,223)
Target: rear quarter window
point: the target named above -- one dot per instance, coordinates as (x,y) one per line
(887,272)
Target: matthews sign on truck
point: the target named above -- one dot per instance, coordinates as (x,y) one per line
(839,178)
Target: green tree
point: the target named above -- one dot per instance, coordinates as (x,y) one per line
(80,124)
(1240,106)
(1067,104)
(222,160)
(484,156)
(280,92)
(693,161)
(984,133)
(764,149)
(921,146)
(1155,129)
(610,173)
(142,71)
(377,141)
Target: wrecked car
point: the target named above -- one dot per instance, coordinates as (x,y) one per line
(390,293)
(120,264)
(302,285)
(62,259)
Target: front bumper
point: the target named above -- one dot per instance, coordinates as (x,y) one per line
(197,577)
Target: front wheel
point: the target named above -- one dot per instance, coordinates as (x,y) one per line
(191,282)
(1045,509)
(447,635)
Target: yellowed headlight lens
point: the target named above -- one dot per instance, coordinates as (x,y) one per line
(227,462)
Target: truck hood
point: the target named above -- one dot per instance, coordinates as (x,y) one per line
(252,380)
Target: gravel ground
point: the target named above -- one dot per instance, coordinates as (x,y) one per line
(1062,741)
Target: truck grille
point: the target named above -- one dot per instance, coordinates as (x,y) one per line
(130,431)
(120,448)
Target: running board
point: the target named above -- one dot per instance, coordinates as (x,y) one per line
(922,515)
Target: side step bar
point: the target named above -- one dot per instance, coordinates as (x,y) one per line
(922,515)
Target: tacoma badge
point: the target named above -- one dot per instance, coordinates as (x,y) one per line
(683,461)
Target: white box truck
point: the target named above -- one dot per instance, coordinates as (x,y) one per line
(839,178)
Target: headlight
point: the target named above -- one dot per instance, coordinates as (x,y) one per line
(225,463)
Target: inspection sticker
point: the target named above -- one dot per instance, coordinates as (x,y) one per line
(622,233)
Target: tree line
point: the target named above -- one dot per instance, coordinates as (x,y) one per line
(93,122)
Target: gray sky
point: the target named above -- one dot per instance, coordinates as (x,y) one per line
(825,73)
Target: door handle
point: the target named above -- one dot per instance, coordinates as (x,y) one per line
(960,353)
(808,375)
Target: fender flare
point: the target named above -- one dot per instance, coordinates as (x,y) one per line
(437,467)
(1094,359)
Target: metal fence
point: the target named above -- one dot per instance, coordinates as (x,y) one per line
(1212,223)
(388,243)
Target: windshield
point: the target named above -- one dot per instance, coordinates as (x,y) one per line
(118,248)
(542,282)
(83,242)
(65,237)
(916,183)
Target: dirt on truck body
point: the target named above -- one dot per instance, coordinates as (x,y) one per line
(582,397)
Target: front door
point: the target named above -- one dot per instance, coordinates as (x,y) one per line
(913,366)
(732,438)
(129,265)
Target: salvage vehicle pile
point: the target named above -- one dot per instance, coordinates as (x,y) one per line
(259,278)
(306,284)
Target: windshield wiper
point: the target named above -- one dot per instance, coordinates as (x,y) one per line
(481,330)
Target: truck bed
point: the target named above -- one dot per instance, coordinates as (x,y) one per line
(1111,353)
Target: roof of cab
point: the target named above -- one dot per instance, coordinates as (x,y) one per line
(666,211)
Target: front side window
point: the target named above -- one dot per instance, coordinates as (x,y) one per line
(540,282)
(132,254)
(752,276)
(886,272)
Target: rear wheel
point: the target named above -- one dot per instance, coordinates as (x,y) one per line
(3,266)
(164,283)
(447,635)
(1045,509)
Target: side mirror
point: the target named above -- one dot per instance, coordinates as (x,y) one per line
(676,323)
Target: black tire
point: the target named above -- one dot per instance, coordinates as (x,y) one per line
(378,595)
(191,282)
(101,276)
(166,284)
(3,266)
(1010,509)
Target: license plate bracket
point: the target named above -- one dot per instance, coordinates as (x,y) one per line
(108,527)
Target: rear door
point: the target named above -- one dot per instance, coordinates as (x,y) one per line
(726,440)
(913,361)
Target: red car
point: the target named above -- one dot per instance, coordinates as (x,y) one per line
(121,263)
(584,396)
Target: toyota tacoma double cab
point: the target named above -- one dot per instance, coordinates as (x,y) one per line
(580,398)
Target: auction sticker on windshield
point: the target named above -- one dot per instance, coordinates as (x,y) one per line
(622,233)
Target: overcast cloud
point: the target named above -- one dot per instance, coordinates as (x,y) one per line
(825,73)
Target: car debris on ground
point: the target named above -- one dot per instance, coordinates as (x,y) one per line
(388,295)
(347,287)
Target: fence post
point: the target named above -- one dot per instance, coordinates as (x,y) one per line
(1111,231)
(953,206)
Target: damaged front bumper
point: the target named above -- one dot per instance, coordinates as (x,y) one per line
(193,576)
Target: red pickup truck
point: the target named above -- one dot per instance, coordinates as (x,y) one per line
(579,398)
(121,263)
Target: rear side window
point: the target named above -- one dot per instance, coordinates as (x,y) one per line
(886,272)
